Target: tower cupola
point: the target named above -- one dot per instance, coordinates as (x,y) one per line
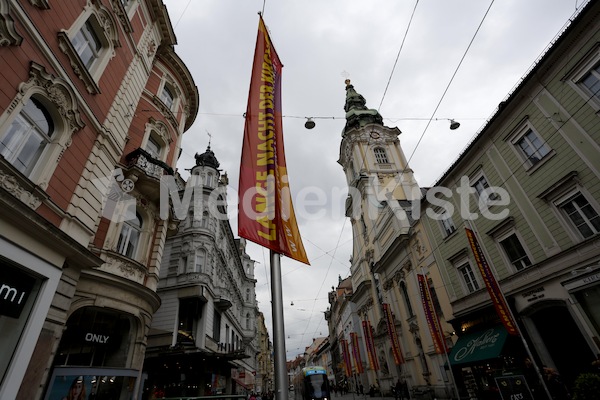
(207,159)
(207,167)
(357,113)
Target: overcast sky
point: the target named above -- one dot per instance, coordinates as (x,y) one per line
(455,60)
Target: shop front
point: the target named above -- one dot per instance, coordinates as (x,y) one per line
(31,274)
(91,383)
(25,296)
(490,364)
(189,372)
(93,357)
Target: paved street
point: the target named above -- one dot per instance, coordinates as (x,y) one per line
(348,396)
(354,396)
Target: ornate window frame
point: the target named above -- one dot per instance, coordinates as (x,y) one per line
(159,132)
(105,28)
(59,99)
(8,34)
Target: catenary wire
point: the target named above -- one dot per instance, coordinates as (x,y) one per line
(549,138)
(382,99)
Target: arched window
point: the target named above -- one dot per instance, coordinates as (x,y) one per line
(73,351)
(167,96)
(247,320)
(130,236)
(247,294)
(27,136)
(209,180)
(153,148)
(380,155)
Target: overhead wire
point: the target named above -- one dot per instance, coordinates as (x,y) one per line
(326,273)
(546,140)
(384,93)
(450,82)
(389,80)
(382,99)
(441,99)
(369,231)
(446,286)
(438,103)
(398,55)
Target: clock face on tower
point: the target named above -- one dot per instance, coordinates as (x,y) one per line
(375,135)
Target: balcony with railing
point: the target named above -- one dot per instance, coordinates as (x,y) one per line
(226,350)
(146,172)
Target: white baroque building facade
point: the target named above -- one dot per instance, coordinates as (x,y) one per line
(204,339)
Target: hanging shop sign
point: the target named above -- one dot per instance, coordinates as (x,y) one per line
(477,346)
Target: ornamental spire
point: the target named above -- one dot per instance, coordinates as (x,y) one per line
(357,113)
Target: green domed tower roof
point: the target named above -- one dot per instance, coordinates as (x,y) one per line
(357,113)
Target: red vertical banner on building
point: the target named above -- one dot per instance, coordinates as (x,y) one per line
(265,211)
(433,322)
(370,345)
(398,359)
(346,356)
(492,286)
(356,353)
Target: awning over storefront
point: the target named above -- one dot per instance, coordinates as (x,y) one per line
(479,345)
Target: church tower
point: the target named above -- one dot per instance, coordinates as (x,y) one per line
(381,184)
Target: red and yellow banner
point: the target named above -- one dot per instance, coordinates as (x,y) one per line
(433,321)
(356,353)
(370,344)
(492,286)
(266,214)
(346,356)
(398,358)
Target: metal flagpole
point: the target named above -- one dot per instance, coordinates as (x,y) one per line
(281,392)
(442,336)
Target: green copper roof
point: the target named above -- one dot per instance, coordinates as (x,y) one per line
(357,113)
